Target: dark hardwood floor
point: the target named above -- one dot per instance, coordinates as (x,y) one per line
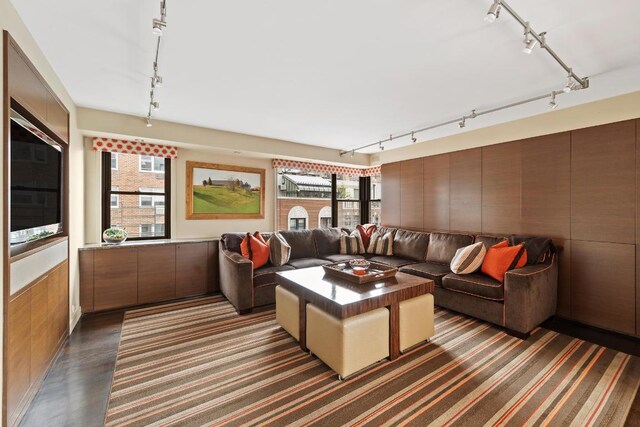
(76,389)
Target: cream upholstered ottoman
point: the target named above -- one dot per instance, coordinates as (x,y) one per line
(416,321)
(287,311)
(348,345)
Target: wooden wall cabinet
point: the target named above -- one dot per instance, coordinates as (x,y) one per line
(581,188)
(38,320)
(125,276)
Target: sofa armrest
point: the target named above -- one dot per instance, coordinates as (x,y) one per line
(236,279)
(530,296)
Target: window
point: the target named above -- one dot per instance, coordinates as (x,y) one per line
(297,223)
(348,200)
(375,203)
(151,164)
(115,199)
(134,198)
(114,161)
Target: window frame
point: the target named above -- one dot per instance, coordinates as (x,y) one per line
(117,157)
(153,164)
(107,192)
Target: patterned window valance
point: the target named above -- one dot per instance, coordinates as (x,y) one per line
(325,168)
(132,147)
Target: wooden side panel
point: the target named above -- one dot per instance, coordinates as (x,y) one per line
(86,280)
(116,278)
(42,339)
(603,285)
(156,273)
(18,351)
(25,86)
(57,117)
(637,290)
(546,194)
(603,183)
(213,273)
(466,190)
(191,269)
(436,193)
(59,303)
(501,168)
(564,277)
(411,194)
(390,214)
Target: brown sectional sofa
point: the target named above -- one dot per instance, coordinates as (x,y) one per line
(527,297)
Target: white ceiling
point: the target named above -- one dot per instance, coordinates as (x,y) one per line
(333,73)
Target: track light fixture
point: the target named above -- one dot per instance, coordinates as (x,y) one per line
(553,105)
(381,146)
(570,85)
(353,153)
(413,138)
(494,11)
(463,123)
(156,79)
(529,42)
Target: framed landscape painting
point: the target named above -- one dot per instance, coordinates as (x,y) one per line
(224,192)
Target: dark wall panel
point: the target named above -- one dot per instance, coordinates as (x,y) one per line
(436,192)
(391,194)
(603,285)
(564,277)
(411,193)
(501,167)
(546,189)
(465,173)
(603,183)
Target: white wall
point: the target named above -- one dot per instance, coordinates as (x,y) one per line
(10,21)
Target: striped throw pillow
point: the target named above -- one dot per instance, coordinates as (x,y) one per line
(468,259)
(381,244)
(351,244)
(279,249)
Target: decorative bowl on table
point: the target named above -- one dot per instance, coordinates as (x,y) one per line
(114,235)
(359,266)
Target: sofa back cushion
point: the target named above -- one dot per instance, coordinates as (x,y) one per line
(384,230)
(536,247)
(232,241)
(301,242)
(327,240)
(410,244)
(443,246)
(489,240)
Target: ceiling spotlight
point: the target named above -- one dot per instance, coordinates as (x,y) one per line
(157,81)
(494,12)
(353,153)
(381,146)
(553,104)
(463,123)
(413,138)
(529,44)
(149,124)
(155,105)
(158,26)
(569,86)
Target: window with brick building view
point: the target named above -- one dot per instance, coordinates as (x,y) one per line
(138,194)
(304,200)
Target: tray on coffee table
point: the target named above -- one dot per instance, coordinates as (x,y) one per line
(375,272)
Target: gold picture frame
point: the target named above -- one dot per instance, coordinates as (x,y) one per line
(217,191)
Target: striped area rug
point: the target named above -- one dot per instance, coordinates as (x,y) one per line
(199,363)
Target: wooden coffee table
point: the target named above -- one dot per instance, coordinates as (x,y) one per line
(343,299)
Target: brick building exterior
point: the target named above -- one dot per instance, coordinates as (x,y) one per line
(140,216)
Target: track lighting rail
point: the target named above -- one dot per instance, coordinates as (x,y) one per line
(156,79)
(531,37)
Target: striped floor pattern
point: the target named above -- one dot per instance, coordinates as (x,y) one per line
(199,363)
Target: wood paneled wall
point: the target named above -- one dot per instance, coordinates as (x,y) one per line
(579,188)
(38,318)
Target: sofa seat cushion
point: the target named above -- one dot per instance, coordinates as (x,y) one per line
(393,261)
(476,284)
(342,258)
(267,274)
(429,270)
(307,262)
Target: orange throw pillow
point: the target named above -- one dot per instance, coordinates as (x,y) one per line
(501,257)
(365,233)
(256,249)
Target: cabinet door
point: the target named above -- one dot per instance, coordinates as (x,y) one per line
(42,340)
(156,273)
(115,278)
(191,269)
(18,350)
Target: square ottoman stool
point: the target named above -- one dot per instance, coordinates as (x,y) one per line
(416,321)
(348,345)
(287,311)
